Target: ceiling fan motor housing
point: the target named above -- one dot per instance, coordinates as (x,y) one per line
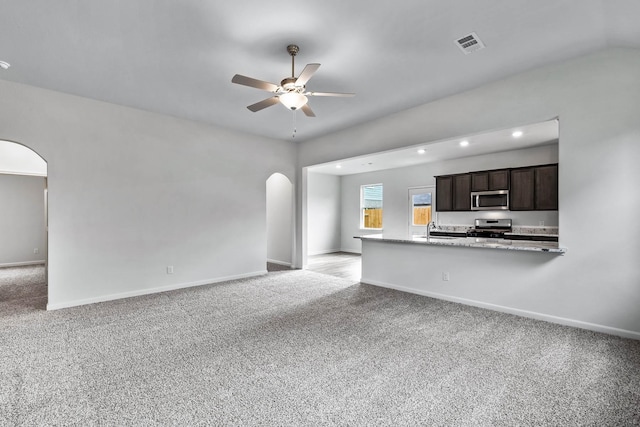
(289,84)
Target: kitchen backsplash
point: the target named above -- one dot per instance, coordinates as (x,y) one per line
(516,229)
(535,230)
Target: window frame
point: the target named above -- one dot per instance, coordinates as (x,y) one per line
(363,207)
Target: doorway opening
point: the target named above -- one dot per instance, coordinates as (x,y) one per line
(24,227)
(280,230)
(421,212)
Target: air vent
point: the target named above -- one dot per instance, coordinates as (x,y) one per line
(470,43)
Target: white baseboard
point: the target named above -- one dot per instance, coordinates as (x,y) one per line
(159,289)
(333,251)
(275,261)
(351,251)
(518,312)
(21,264)
(323,252)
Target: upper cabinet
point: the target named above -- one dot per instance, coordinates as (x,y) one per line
(546,187)
(521,192)
(534,188)
(490,180)
(444,193)
(461,192)
(530,188)
(453,192)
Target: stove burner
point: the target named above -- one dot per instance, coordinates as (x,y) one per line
(490,228)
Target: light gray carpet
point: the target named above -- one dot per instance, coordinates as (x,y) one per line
(21,284)
(302,348)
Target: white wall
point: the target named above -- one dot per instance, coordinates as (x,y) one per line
(323,213)
(279,219)
(21,220)
(596,99)
(397,182)
(132,192)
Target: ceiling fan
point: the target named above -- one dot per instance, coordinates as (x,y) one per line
(291,92)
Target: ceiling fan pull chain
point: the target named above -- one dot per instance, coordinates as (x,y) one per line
(293,135)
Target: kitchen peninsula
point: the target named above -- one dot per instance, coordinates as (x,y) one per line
(472,242)
(484,272)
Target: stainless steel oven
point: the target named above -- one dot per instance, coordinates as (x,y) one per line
(490,200)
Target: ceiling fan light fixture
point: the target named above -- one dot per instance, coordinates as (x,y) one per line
(293,100)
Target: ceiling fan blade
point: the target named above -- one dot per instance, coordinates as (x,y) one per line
(307,110)
(258,84)
(306,74)
(329,94)
(263,104)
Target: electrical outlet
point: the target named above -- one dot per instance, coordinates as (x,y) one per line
(541,223)
(445,276)
(170,269)
(36,250)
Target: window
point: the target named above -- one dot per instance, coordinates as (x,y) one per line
(371,206)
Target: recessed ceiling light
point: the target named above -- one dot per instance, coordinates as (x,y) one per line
(464,143)
(4,65)
(338,166)
(422,151)
(517,134)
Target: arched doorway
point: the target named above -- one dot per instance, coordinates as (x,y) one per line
(23,224)
(279,222)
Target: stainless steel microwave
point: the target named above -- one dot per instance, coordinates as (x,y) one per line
(490,200)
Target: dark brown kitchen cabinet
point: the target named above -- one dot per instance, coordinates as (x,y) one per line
(530,188)
(546,187)
(462,192)
(480,181)
(534,188)
(453,192)
(499,179)
(490,180)
(444,193)
(521,197)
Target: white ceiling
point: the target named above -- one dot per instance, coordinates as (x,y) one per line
(485,143)
(178,58)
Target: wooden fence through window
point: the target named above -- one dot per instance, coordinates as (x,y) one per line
(421,215)
(373,218)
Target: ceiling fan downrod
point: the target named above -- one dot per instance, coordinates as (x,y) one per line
(293,51)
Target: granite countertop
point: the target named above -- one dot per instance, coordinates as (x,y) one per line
(473,242)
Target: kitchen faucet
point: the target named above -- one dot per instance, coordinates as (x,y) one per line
(428,234)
